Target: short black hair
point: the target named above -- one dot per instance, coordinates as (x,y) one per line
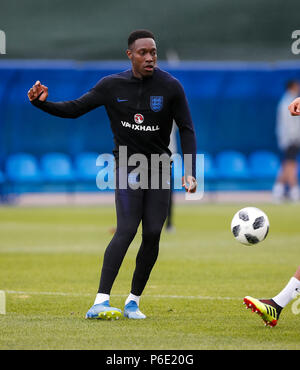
(139,34)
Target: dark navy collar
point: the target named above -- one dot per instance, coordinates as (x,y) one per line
(144,78)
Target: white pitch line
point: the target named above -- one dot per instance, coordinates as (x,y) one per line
(123,295)
(48,293)
(193,297)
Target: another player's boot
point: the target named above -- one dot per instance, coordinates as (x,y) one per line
(267,309)
(103,311)
(131,311)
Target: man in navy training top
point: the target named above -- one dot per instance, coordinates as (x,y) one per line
(141,104)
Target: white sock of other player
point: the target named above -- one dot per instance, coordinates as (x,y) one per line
(290,292)
(278,191)
(294,193)
(101,297)
(134,298)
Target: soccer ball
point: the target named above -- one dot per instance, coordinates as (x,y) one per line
(250,225)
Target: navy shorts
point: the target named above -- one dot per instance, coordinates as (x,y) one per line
(291,152)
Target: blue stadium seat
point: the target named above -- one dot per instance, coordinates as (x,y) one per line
(2,177)
(264,164)
(2,190)
(210,171)
(57,167)
(232,165)
(177,171)
(85,166)
(22,168)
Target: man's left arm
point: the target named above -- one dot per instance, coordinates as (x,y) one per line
(183,119)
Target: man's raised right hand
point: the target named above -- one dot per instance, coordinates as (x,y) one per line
(294,107)
(38,91)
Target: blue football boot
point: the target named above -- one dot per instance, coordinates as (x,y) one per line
(103,311)
(131,310)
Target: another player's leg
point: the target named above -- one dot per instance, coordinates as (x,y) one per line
(270,309)
(278,191)
(292,177)
(267,309)
(288,176)
(155,213)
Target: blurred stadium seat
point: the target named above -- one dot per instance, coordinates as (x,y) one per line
(2,182)
(177,171)
(85,166)
(247,85)
(228,170)
(264,164)
(2,178)
(210,171)
(232,165)
(22,168)
(57,167)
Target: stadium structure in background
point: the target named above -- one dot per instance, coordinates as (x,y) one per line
(196,30)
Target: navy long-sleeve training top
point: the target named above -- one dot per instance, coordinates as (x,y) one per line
(141,111)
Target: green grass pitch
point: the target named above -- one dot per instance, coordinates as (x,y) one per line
(50,260)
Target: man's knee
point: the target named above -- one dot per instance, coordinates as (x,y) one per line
(126,231)
(151,234)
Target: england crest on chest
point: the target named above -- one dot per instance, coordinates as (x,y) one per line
(156,103)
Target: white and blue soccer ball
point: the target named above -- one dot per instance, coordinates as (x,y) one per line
(250,226)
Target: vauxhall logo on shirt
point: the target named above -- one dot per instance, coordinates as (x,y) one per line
(139,119)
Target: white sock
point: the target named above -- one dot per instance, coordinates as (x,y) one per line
(278,191)
(133,297)
(290,292)
(101,297)
(294,193)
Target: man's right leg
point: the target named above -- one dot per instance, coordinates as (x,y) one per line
(129,214)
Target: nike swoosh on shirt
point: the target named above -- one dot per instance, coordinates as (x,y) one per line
(121,100)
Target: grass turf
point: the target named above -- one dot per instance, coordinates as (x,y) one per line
(50,260)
